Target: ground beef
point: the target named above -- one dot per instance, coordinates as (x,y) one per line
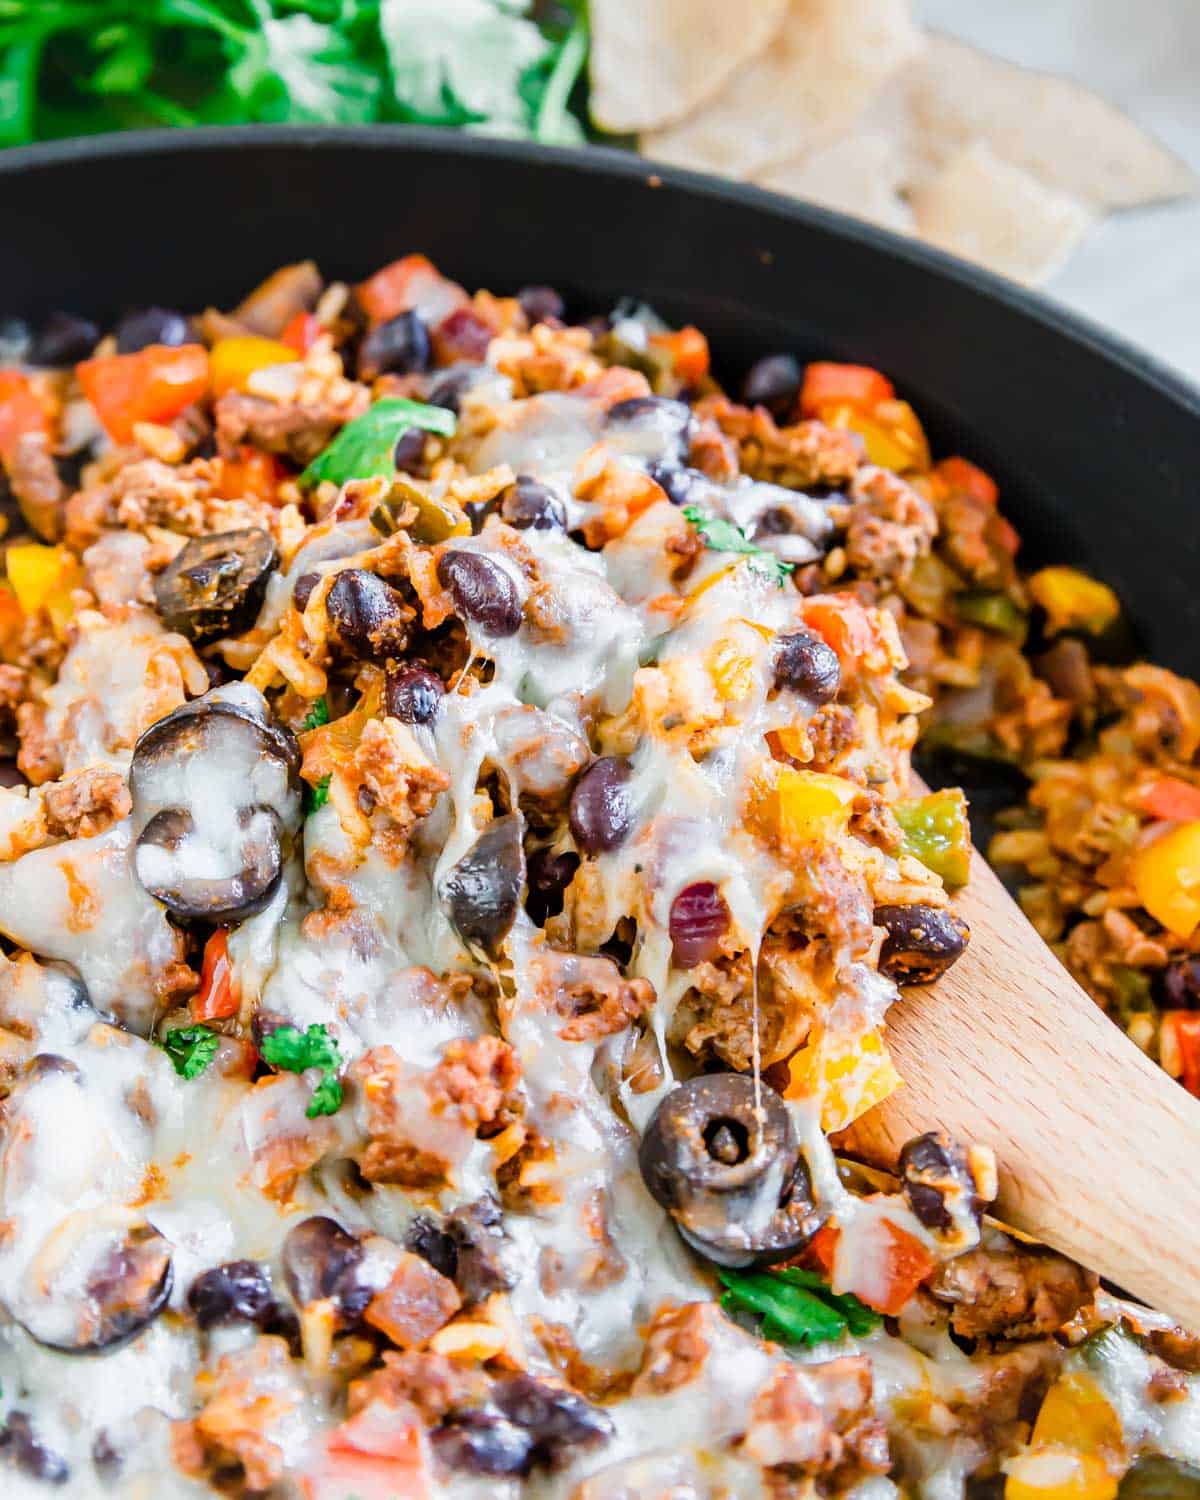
(86,804)
(677,1344)
(590,994)
(818,1420)
(798,457)
(40,492)
(298,432)
(888,527)
(399,775)
(40,755)
(1012,1294)
(430,1382)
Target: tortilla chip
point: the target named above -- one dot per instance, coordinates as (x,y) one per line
(653,61)
(1068,137)
(828,60)
(860,174)
(990,211)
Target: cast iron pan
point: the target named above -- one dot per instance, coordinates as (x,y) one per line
(1096,448)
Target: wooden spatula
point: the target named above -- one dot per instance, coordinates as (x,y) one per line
(1098,1150)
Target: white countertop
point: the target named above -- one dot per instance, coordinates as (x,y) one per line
(1138,272)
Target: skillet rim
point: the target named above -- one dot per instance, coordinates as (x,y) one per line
(1039,307)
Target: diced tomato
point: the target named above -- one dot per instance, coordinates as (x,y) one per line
(462,335)
(253,473)
(302,332)
(843,623)
(411,282)
(959,474)
(900,1263)
(153,385)
(1006,534)
(822,1248)
(20,412)
(379,1454)
(688,349)
(217,997)
(1180,1047)
(1169,798)
(857,384)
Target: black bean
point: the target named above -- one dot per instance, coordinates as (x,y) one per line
(151,325)
(302,590)
(369,617)
(64,340)
(540,303)
(483,890)
(683,486)
(409,450)
(434,1244)
(1181,982)
(935,1177)
(321,1260)
(483,1442)
(555,1418)
(805,664)
(773,382)
(238,1291)
(922,942)
(50,1065)
(398,347)
(483,592)
(601,811)
(549,876)
(21,1447)
(470,1246)
(670,420)
(413,693)
(450,387)
(529,503)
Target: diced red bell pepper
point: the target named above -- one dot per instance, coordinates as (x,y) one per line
(844,624)
(302,332)
(1169,798)
(20,412)
(252,473)
(153,385)
(857,384)
(411,282)
(822,1248)
(960,474)
(902,1263)
(1180,1046)
(217,997)
(688,349)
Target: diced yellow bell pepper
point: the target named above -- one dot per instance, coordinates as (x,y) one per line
(1056,1474)
(232,361)
(891,431)
(42,578)
(1166,877)
(811,805)
(731,669)
(1076,1414)
(848,1074)
(1073,601)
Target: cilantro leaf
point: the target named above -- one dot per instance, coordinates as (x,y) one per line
(366,447)
(317,715)
(190,1048)
(314,797)
(723,536)
(294,1051)
(796,1307)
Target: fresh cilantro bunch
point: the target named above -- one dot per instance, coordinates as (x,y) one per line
(79,67)
(796,1307)
(723,536)
(295,1051)
(190,1048)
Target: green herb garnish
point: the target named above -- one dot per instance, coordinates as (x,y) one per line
(723,536)
(314,797)
(796,1307)
(317,715)
(365,448)
(190,1048)
(78,67)
(295,1051)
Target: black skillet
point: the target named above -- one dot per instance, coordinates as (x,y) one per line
(1096,448)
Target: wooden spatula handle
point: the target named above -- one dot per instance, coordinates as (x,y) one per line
(1098,1150)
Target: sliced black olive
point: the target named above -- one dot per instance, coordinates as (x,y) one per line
(601,811)
(922,942)
(239,1291)
(528,503)
(186,730)
(369,617)
(483,591)
(805,664)
(151,325)
(655,426)
(774,382)
(483,890)
(230,898)
(215,586)
(64,340)
(126,1291)
(321,1261)
(19,1445)
(937,1181)
(731,1177)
